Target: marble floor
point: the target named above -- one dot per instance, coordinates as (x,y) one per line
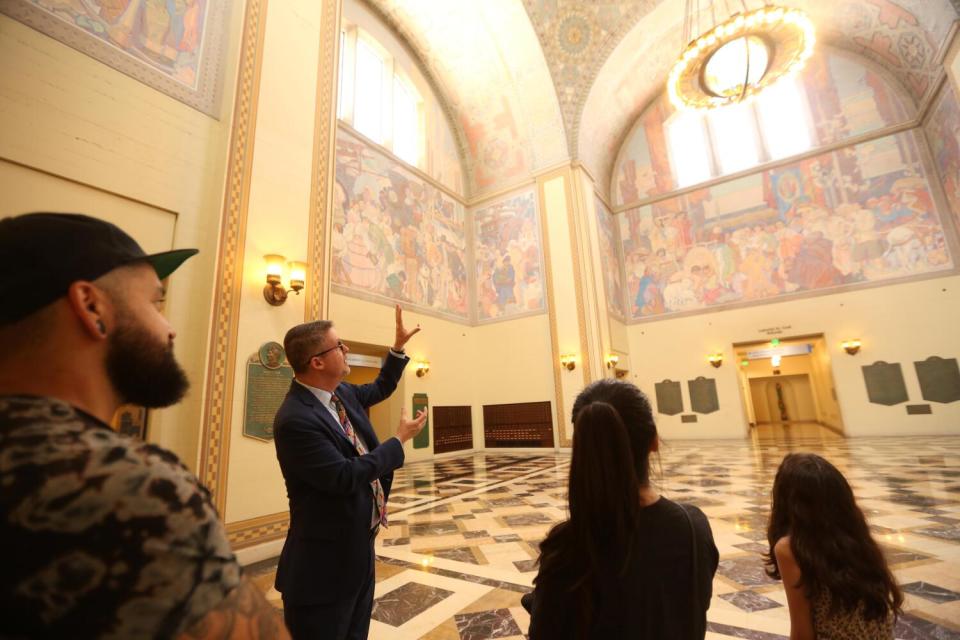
(462,544)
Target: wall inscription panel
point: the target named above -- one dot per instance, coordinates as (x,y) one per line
(885,383)
(703,395)
(669,398)
(939,379)
(268,380)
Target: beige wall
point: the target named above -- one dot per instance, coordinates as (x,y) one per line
(118,149)
(898,323)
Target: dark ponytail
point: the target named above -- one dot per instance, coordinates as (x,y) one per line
(613,432)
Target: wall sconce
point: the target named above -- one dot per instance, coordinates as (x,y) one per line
(715,359)
(568,360)
(421,367)
(612,359)
(274,293)
(851,346)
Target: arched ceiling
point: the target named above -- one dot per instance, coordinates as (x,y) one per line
(487,62)
(903,37)
(532,83)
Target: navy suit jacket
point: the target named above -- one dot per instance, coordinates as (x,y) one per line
(327,553)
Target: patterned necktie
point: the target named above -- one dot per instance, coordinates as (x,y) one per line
(380,515)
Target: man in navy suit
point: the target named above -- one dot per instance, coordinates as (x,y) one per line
(338,477)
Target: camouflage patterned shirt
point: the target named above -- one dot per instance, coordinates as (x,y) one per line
(101,536)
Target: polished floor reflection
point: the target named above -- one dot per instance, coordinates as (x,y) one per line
(462,544)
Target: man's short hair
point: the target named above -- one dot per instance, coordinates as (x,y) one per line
(302,342)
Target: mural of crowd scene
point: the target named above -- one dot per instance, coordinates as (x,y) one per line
(943,132)
(396,236)
(166,34)
(610,261)
(843,97)
(859,215)
(508,258)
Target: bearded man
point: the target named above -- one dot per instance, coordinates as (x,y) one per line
(103,536)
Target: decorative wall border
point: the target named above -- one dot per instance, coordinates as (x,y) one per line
(324,158)
(204,95)
(247,533)
(221,364)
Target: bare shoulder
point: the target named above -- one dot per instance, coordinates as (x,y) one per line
(244,614)
(783,551)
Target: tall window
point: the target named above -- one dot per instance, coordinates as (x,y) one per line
(368,96)
(376,99)
(704,145)
(406,121)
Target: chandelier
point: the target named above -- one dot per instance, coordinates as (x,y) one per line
(738,58)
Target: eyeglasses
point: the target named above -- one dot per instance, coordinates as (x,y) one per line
(339,345)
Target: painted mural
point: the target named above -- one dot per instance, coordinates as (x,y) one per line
(171,45)
(610,262)
(396,236)
(943,133)
(509,258)
(844,98)
(856,216)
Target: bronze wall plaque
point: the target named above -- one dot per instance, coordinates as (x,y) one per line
(919,410)
(669,399)
(688,418)
(885,383)
(703,395)
(939,379)
(268,380)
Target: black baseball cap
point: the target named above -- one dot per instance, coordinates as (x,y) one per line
(42,254)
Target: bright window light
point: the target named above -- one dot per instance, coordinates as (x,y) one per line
(406,123)
(734,137)
(689,153)
(367,116)
(786,129)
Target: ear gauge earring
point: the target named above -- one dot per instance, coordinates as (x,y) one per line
(102,327)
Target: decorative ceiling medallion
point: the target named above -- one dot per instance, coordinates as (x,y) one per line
(740,57)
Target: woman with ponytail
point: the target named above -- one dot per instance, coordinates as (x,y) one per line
(628,563)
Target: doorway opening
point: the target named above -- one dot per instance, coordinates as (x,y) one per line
(788,381)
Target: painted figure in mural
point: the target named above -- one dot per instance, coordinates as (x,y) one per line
(398,236)
(103,535)
(504,280)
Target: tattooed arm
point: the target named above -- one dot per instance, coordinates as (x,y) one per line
(243,615)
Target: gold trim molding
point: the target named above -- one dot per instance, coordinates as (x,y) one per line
(248,533)
(215,439)
(324,158)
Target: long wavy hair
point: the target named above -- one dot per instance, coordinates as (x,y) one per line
(613,432)
(814,504)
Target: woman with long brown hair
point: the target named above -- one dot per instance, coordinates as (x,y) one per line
(837,581)
(628,563)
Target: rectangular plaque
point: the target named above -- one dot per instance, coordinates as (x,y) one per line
(919,409)
(703,395)
(885,383)
(939,379)
(688,418)
(420,403)
(266,389)
(669,399)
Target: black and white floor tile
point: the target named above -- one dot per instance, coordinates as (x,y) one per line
(463,541)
